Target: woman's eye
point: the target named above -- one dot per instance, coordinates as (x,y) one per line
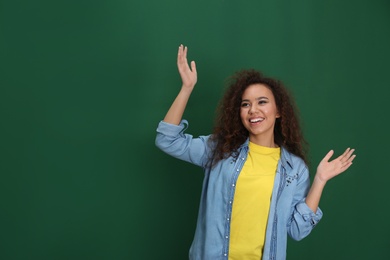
(244,104)
(262,102)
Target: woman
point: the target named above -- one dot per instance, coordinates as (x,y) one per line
(256,188)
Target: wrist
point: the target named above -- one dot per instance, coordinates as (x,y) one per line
(187,88)
(319,181)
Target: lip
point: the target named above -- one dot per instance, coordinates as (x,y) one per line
(256,120)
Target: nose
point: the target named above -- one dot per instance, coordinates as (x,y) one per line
(253,109)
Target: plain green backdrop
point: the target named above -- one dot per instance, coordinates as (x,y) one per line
(84,84)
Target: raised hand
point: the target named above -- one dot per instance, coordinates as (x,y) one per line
(188,75)
(326,170)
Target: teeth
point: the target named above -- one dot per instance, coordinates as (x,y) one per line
(256,120)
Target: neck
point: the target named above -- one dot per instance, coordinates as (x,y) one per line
(269,142)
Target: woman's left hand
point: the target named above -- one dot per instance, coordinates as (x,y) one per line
(326,170)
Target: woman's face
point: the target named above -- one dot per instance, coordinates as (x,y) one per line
(258,114)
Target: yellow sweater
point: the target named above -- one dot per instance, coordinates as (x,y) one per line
(251,204)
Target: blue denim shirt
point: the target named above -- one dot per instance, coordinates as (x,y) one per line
(288,213)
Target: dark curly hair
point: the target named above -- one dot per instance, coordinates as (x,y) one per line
(229,133)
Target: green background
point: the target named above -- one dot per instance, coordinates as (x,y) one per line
(84,84)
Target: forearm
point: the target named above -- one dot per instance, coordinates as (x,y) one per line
(327,170)
(176,111)
(314,196)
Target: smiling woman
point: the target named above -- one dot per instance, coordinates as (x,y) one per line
(231,129)
(256,188)
(259,113)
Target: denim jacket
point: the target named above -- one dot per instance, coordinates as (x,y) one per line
(289,214)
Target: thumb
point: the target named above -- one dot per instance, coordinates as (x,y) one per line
(193,66)
(328,156)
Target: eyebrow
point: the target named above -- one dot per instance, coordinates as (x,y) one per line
(259,98)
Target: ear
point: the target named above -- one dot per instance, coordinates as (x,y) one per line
(277,115)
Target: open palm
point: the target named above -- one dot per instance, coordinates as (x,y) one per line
(188,75)
(326,170)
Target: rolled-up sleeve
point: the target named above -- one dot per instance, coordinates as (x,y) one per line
(303,219)
(172,140)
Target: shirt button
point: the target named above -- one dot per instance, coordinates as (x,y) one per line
(230,202)
(233,184)
(226,237)
(228,219)
(225,254)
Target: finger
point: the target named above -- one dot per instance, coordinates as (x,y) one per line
(182,59)
(342,158)
(350,159)
(347,155)
(345,167)
(345,152)
(185,53)
(328,156)
(193,66)
(348,163)
(180,54)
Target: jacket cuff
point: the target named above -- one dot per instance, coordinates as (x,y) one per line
(308,215)
(171,129)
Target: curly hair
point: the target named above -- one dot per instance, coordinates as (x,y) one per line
(229,133)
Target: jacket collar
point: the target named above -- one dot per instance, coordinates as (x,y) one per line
(286,158)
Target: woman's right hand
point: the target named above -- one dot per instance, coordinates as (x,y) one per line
(188,75)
